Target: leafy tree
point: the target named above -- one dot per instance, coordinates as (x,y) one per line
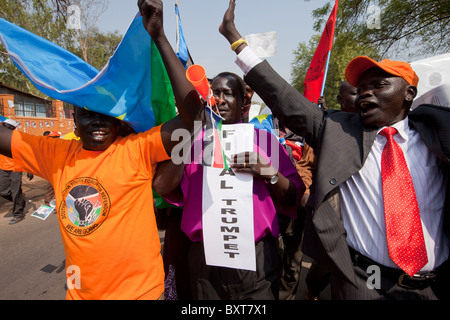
(88,12)
(101,47)
(394,29)
(419,25)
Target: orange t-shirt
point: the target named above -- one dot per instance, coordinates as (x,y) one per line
(105,210)
(6,163)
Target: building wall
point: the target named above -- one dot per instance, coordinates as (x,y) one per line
(34,125)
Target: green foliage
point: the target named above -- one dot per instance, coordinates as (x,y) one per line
(101,47)
(419,25)
(303,56)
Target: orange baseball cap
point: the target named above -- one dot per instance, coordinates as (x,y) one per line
(360,64)
(54,134)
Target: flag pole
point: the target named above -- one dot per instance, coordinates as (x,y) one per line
(178,27)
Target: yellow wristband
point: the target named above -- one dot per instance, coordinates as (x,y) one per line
(236,44)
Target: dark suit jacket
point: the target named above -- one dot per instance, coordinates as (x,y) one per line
(342,144)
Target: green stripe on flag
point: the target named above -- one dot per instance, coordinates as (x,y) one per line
(163,100)
(225,162)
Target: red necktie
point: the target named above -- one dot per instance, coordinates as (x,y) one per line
(403,227)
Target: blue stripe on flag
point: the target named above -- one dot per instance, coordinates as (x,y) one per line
(122,89)
(182,50)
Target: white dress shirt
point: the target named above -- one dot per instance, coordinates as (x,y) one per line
(362,200)
(247,59)
(362,196)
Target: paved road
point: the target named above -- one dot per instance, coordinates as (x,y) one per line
(32,255)
(32,259)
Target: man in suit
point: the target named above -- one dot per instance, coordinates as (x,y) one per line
(346,227)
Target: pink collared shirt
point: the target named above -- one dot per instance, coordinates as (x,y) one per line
(265,207)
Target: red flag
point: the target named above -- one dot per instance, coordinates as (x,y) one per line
(315,76)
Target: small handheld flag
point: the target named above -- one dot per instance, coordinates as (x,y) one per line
(182,50)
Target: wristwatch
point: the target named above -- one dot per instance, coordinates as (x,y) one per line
(273,179)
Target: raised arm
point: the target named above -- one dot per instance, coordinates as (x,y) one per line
(167,177)
(286,103)
(228,29)
(189,105)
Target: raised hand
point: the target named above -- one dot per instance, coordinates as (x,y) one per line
(190,108)
(152,16)
(227,28)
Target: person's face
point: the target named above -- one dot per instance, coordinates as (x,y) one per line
(228,104)
(96,131)
(346,97)
(382,99)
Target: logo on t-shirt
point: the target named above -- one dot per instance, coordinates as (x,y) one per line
(85,207)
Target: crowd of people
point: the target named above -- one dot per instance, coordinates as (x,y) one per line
(361,187)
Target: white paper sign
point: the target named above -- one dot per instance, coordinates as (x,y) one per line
(263,44)
(227,205)
(434,80)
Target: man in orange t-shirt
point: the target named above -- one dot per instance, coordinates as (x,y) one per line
(105,211)
(103,187)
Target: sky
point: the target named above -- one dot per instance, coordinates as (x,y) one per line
(290,19)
